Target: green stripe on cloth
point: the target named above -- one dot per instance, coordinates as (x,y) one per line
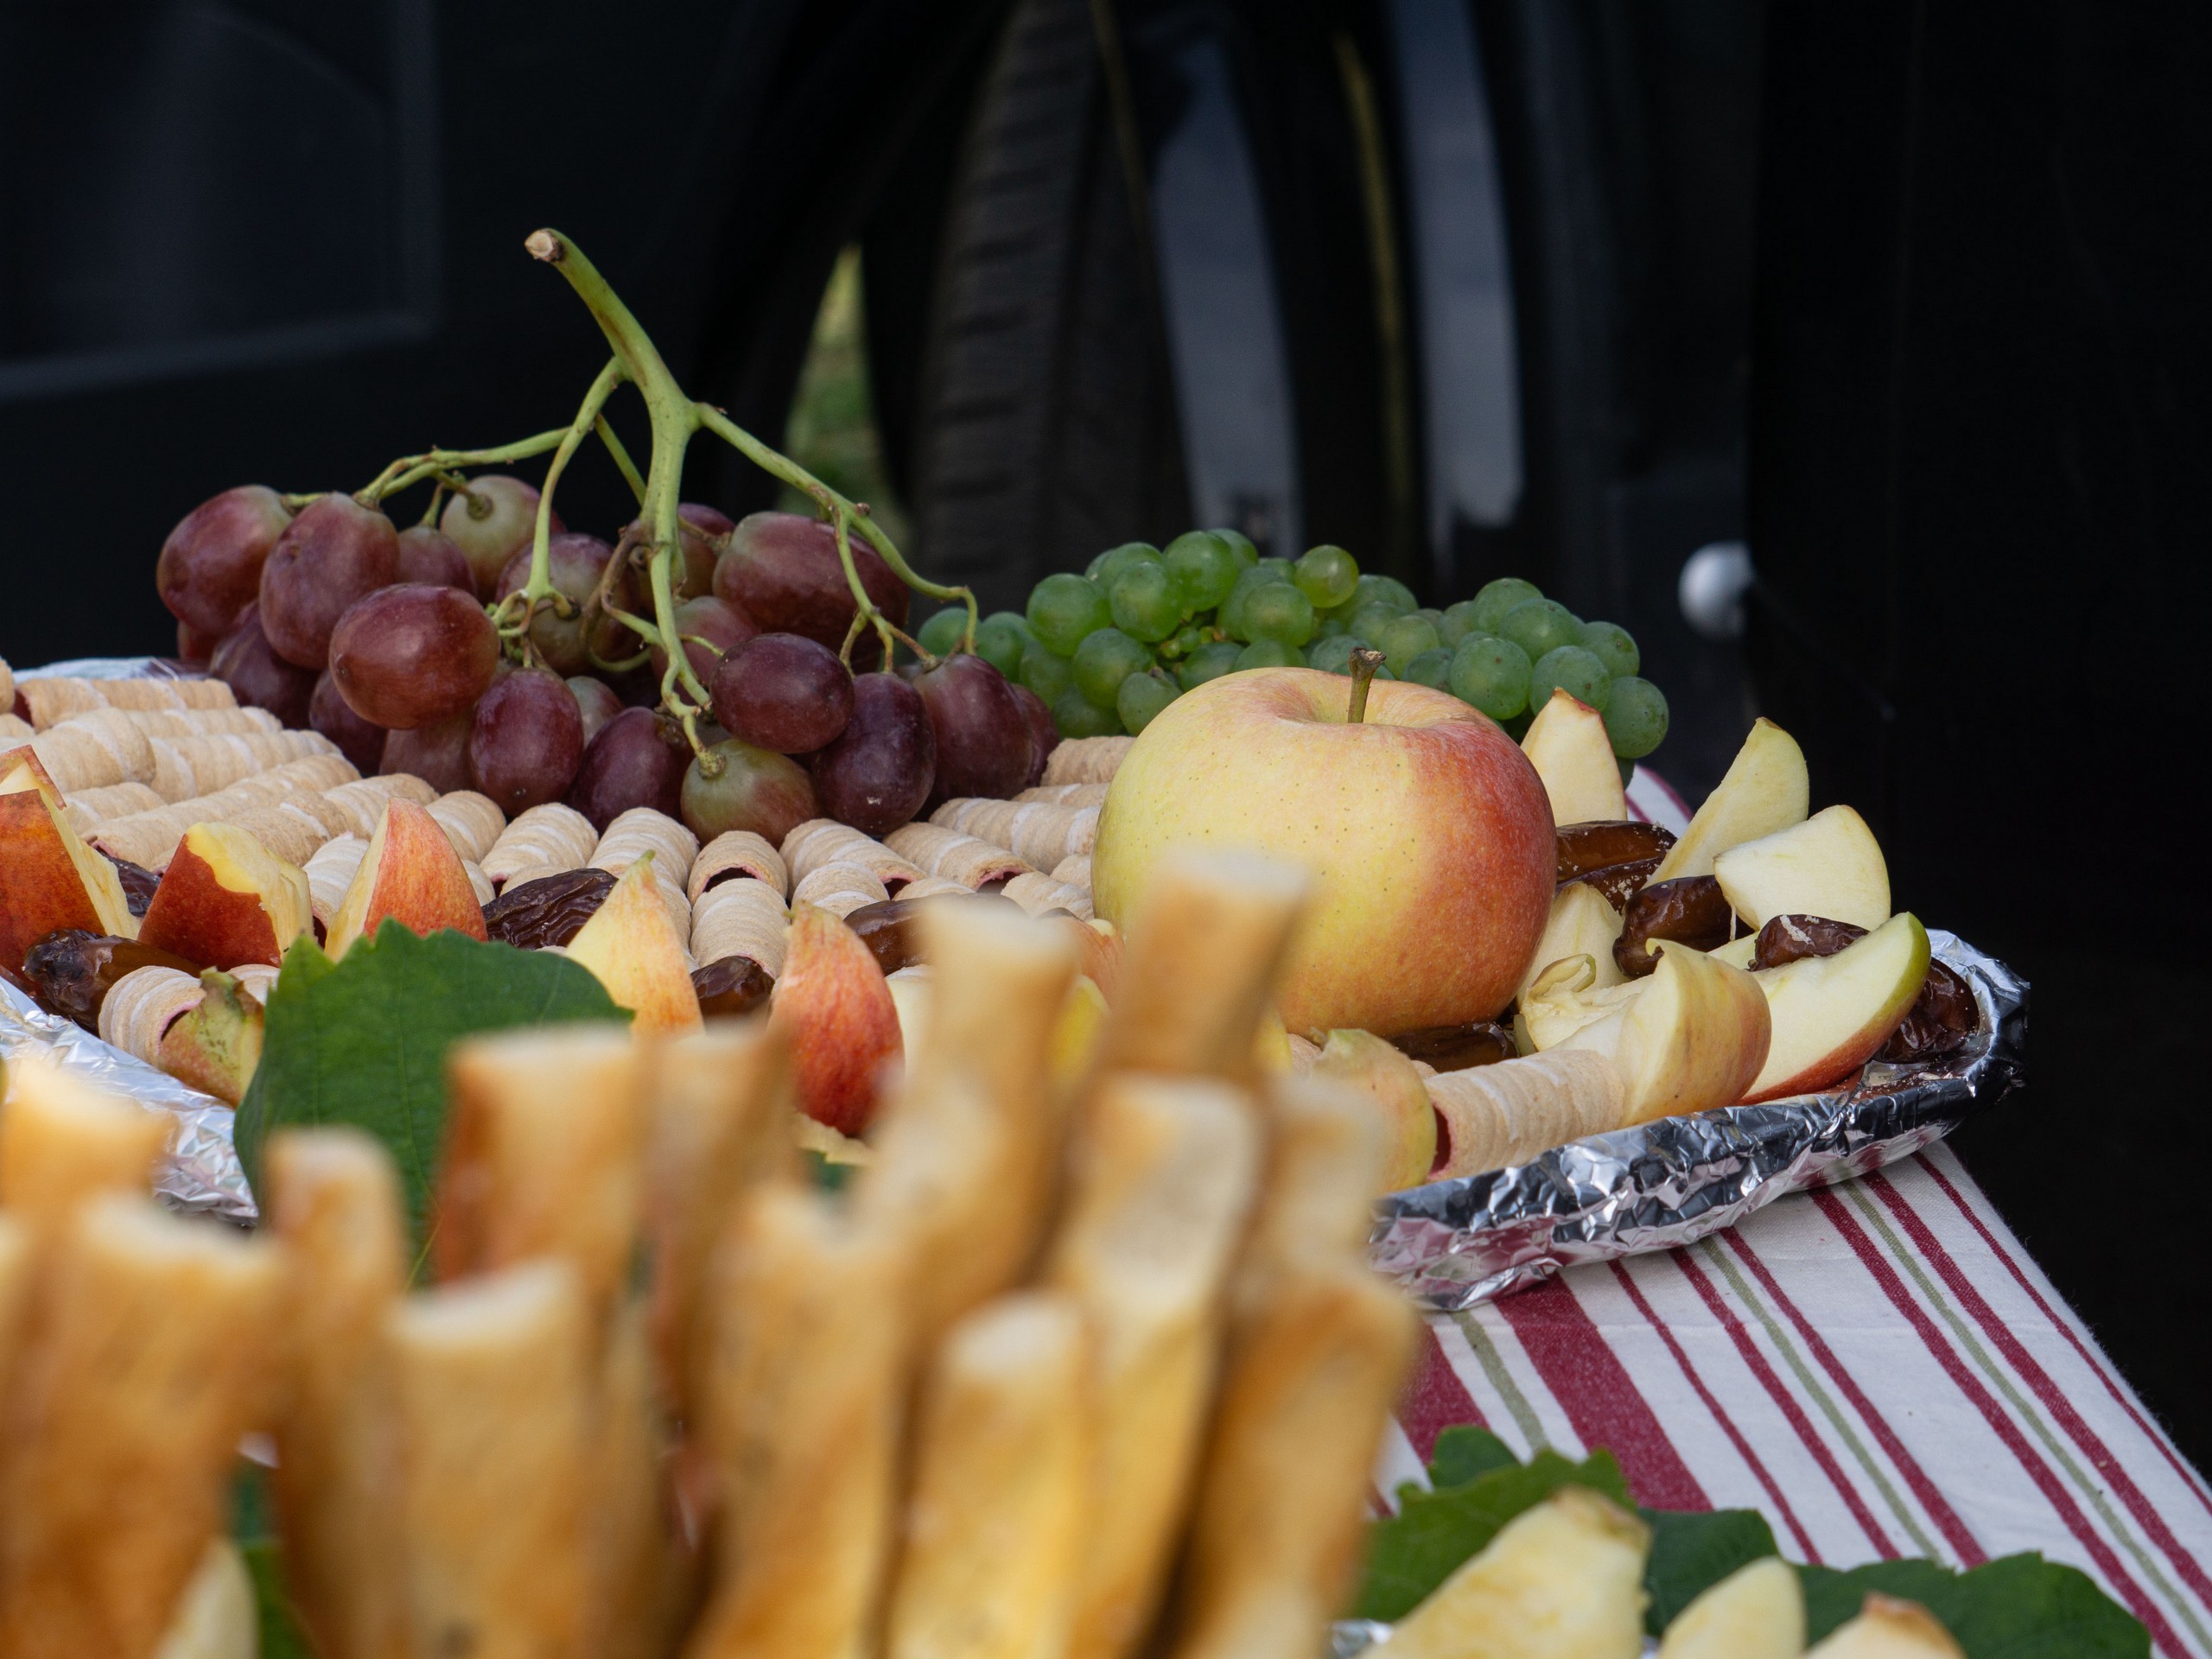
(1493,1364)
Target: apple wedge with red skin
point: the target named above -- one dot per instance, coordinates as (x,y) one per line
(225,899)
(410,874)
(834,1009)
(1567,745)
(1831,1014)
(631,947)
(1691,1036)
(215,1046)
(49,877)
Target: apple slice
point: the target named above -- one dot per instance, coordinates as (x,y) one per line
(1830,866)
(1387,1083)
(1831,1013)
(1766,790)
(1567,745)
(836,1012)
(225,899)
(49,877)
(411,875)
(1583,922)
(215,1046)
(1567,994)
(1692,1038)
(1756,1613)
(630,946)
(1737,952)
(1887,1628)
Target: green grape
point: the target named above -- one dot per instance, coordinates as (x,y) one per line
(1144,602)
(1276,610)
(1063,608)
(1498,597)
(1327,576)
(1433,667)
(1540,624)
(1209,661)
(1204,568)
(1269,653)
(1103,660)
(1076,715)
(1240,545)
(1367,620)
(1459,622)
(1517,728)
(1045,672)
(1141,698)
(1404,637)
(1434,617)
(1327,625)
(1109,565)
(1636,717)
(1387,590)
(1230,616)
(1610,642)
(940,635)
(1333,655)
(1627,768)
(1001,638)
(1573,670)
(1492,674)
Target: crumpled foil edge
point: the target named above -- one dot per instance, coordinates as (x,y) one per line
(1671,1182)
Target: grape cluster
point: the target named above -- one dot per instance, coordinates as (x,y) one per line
(1108,650)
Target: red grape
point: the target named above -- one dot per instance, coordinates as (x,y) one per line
(784,692)
(983,741)
(722,624)
(526,741)
(437,754)
(359,740)
(431,556)
(413,655)
(632,762)
(335,552)
(757,790)
(699,535)
(498,514)
(595,701)
(194,647)
(782,569)
(210,568)
(877,772)
(574,564)
(257,677)
(1044,732)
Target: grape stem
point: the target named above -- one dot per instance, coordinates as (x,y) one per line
(539,589)
(411,470)
(1364,662)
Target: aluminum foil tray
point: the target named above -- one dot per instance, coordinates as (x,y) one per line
(1673,1181)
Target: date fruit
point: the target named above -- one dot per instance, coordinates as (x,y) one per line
(1455,1048)
(1690,910)
(1618,882)
(733,985)
(71,971)
(1942,1018)
(892,930)
(551,910)
(138,882)
(1586,847)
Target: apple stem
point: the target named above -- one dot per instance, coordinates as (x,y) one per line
(1364,662)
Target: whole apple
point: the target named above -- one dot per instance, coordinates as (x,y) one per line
(1427,832)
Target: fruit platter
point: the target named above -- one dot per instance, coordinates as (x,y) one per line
(758,1124)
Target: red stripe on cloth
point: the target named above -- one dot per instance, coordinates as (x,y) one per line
(1434,1399)
(1875,1262)
(2041,1385)
(1600,1399)
(2090,1357)
(1786,1402)
(1956,1532)
(1719,1413)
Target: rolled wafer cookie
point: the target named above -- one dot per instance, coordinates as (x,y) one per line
(935,886)
(841,889)
(820,842)
(116,801)
(1085,760)
(641,830)
(142,1005)
(471,822)
(293,836)
(1039,893)
(330,872)
(146,839)
(735,853)
(53,699)
(940,851)
(1509,1112)
(257,980)
(1067,794)
(742,917)
(114,730)
(76,759)
(187,766)
(480,883)
(365,799)
(200,722)
(541,841)
(1074,869)
(1040,832)
(13,729)
(7,689)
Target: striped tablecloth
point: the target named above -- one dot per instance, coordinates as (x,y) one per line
(1879,1368)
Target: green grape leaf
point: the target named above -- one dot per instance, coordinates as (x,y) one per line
(1466,1453)
(281,1637)
(1691,1552)
(1416,1549)
(2018,1607)
(363,1041)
